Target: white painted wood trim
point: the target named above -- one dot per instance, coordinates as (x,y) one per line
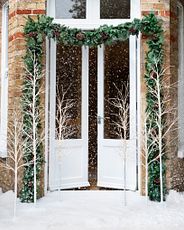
(92,10)
(92,20)
(100,107)
(137,14)
(73,185)
(133,74)
(47,106)
(84,108)
(51,8)
(180,79)
(4,83)
(52,104)
(134,101)
(139,131)
(90,25)
(47,77)
(135,9)
(101,90)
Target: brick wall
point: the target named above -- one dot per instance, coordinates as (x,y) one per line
(18,12)
(176,165)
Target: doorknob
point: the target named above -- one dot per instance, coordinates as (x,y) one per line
(99,118)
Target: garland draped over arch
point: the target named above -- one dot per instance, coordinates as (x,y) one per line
(35,32)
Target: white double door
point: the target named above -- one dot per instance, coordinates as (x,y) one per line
(68,158)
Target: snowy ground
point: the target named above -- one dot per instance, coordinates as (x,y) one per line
(90,210)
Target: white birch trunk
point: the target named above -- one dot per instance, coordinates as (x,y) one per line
(15,194)
(146,149)
(146,156)
(14,159)
(160,138)
(16,153)
(121,102)
(125,170)
(165,114)
(146,181)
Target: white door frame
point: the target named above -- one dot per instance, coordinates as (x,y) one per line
(86,24)
(4,82)
(92,20)
(180,8)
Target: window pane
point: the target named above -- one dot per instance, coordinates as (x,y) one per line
(116,91)
(114,9)
(68,92)
(68,9)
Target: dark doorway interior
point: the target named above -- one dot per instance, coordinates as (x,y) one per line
(92,165)
(69,72)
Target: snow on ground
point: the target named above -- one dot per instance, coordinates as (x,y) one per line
(93,210)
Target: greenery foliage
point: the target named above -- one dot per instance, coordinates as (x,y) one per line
(154,30)
(35,31)
(31,107)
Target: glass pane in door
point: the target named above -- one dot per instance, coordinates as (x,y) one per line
(92,117)
(68,92)
(68,9)
(115,9)
(116,91)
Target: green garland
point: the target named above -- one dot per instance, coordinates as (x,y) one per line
(35,32)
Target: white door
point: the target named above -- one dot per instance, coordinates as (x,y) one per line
(116,65)
(68,161)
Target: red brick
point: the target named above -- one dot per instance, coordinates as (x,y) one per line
(148,12)
(38,12)
(19,35)
(23,11)
(15,36)
(12,15)
(10,38)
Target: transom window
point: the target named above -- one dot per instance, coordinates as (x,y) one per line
(92,13)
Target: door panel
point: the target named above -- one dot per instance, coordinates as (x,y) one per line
(110,167)
(119,70)
(69,117)
(70,69)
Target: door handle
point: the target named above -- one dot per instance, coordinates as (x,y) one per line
(99,118)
